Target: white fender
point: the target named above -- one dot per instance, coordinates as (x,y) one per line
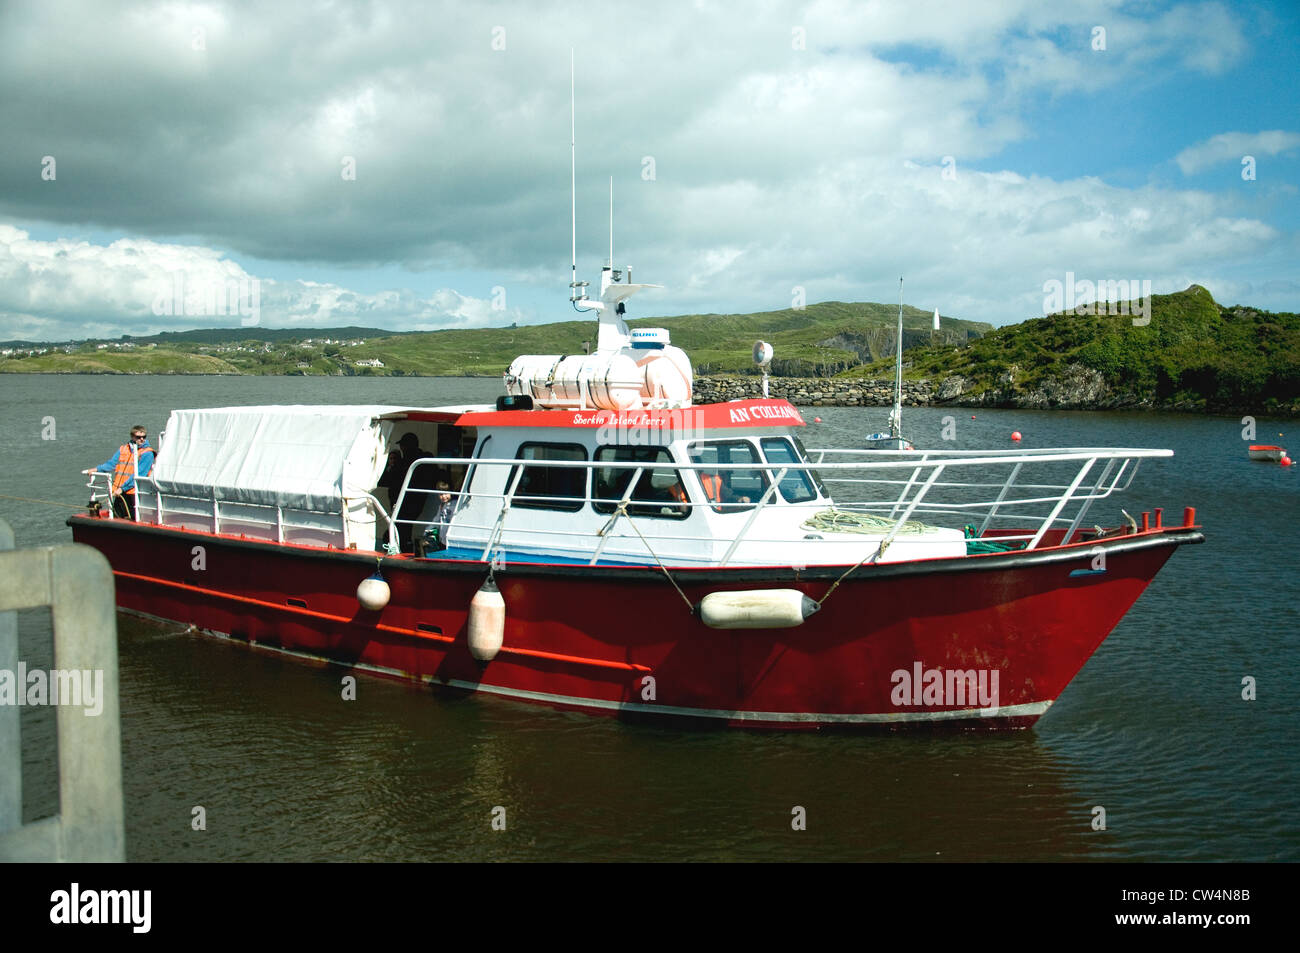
(487,622)
(373,593)
(756,609)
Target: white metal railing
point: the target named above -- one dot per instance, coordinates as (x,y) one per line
(103,495)
(897,486)
(249,512)
(918,477)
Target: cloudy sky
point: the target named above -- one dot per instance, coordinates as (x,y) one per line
(406,165)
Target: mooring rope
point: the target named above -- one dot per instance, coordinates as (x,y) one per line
(23,499)
(835,585)
(622,511)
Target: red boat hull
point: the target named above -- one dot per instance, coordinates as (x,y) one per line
(623,641)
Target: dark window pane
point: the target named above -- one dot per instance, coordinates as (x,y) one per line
(796,486)
(658,491)
(552,488)
(729,490)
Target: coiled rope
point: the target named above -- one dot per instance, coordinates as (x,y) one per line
(846,521)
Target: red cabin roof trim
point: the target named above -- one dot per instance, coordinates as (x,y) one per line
(737,414)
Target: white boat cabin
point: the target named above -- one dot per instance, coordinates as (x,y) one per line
(699,485)
(704,485)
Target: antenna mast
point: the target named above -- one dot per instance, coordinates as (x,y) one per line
(573,173)
(896,418)
(577,289)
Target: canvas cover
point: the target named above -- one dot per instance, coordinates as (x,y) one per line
(304,458)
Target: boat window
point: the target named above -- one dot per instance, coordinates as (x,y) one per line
(729,490)
(803,455)
(659,492)
(456,442)
(797,485)
(478,453)
(551,488)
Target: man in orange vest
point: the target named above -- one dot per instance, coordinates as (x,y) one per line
(134,457)
(712,483)
(719,493)
(677,493)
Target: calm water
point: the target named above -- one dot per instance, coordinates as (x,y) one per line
(1153,729)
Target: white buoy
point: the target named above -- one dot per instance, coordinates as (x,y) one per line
(756,609)
(373,593)
(487,621)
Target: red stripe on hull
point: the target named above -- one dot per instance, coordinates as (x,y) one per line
(589,640)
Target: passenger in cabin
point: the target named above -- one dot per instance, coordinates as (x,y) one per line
(449,445)
(435,537)
(677,496)
(135,456)
(719,492)
(400,462)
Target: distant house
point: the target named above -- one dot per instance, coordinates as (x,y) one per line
(370,362)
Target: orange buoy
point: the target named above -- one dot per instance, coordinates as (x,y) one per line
(817,420)
(1016,436)
(1285,461)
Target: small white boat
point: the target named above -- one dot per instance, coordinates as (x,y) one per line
(894,439)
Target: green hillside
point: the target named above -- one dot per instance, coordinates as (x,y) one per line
(157,361)
(818,340)
(1194,354)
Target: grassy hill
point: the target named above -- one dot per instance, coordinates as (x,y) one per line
(818,340)
(157,361)
(1194,354)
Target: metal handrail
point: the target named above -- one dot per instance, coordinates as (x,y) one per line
(277,522)
(912,476)
(393,546)
(999,508)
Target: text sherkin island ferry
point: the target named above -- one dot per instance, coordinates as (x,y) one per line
(595,541)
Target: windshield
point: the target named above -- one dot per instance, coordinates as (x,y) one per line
(797,485)
(729,490)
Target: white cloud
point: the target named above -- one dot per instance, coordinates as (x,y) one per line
(1232,146)
(774,166)
(70,289)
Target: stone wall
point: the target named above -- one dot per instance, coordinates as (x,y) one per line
(814,391)
(1076,388)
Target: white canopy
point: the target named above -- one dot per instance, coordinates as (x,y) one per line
(305,458)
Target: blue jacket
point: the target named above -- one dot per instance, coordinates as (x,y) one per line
(143,466)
